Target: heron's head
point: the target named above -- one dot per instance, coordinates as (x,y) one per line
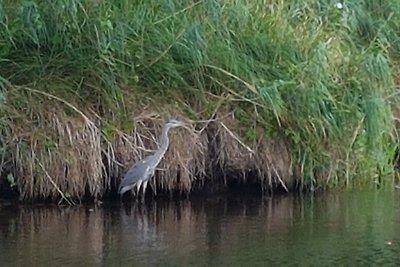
(174,123)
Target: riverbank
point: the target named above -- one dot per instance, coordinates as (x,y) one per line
(273,94)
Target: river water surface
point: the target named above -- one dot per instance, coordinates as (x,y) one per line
(346,229)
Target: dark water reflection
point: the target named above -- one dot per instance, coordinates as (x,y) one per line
(358,228)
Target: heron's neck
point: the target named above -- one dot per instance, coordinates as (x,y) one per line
(164,142)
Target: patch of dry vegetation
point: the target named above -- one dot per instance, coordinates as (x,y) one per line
(56,154)
(268,158)
(67,155)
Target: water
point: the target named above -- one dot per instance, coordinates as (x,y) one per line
(346,229)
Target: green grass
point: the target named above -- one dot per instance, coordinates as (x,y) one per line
(319,76)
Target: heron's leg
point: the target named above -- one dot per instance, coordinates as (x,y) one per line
(138,184)
(144,187)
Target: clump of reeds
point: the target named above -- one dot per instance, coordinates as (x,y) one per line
(315,78)
(54,153)
(267,157)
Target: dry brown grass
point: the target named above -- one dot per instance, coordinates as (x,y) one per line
(66,156)
(268,158)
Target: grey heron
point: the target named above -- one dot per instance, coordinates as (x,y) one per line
(140,173)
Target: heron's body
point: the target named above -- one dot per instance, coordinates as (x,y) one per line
(135,173)
(141,172)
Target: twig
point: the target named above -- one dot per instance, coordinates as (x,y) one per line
(70,202)
(277,174)
(279,177)
(212,118)
(236,138)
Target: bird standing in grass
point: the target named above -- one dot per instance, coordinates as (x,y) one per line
(140,173)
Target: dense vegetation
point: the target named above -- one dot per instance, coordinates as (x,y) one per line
(77,77)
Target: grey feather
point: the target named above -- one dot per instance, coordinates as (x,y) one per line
(143,170)
(134,174)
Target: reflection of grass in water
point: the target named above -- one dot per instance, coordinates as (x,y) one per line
(317,75)
(344,228)
(39,236)
(340,228)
